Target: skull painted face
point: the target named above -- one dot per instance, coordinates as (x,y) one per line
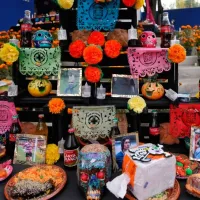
(42,39)
(94,170)
(148,39)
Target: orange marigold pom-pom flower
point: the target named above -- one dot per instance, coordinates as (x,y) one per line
(56,105)
(129,3)
(96,38)
(176,53)
(76,48)
(93,74)
(92,54)
(112,48)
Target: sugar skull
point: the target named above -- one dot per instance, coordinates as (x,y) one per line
(42,39)
(148,39)
(93,170)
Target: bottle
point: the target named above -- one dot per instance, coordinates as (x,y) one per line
(154,129)
(132,38)
(62,37)
(14,130)
(115,130)
(166,31)
(41,128)
(71,149)
(26,30)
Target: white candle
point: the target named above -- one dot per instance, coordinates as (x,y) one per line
(14,41)
(86,90)
(101,92)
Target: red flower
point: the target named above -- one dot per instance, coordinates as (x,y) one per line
(76,49)
(93,74)
(112,48)
(96,38)
(92,54)
(129,3)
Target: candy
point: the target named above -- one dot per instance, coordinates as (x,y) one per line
(179,164)
(188,171)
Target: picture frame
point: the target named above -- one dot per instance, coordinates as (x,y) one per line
(117,152)
(69,82)
(195,143)
(30,149)
(125,86)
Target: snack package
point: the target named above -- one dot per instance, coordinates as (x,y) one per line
(30,149)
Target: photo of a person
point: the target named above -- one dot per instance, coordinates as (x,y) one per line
(69,83)
(122,144)
(28,147)
(124,86)
(195,143)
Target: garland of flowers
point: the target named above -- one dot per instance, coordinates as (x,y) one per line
(176,53)
(93,74)
(97,38)
(76,48)
(56,105)
(129,3)
(65,4)
(139,4)
(92,54)
(112,48)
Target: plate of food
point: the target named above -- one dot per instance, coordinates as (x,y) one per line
(40,182)
(185,167)
(5,170)
(170,194)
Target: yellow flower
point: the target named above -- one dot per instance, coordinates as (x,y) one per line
(66,4)
(9,53)
(137,104)
(52,154)
(139,4)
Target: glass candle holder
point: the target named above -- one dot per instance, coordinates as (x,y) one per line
(101,92)
(86,90)
(14,41)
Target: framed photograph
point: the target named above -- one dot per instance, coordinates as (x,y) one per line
(69,82)
(195,143)
(120,144)
(30,149)
(124,86)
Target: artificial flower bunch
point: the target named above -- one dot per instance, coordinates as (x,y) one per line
(56,105)
(137,4)
(9,53)
(92,53)
(52,154)
(176,53)
(136,104)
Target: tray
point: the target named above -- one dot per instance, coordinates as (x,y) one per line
(43,197)
(172,194)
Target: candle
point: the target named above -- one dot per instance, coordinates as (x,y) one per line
(14,41)
(101,92)
(86,90)
(175,41)
(62,34)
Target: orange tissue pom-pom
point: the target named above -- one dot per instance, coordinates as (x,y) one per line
(93,74)
(112,48)
(56,105)
(76,48)
(96,38)
(129,3)
(176,53)
(92,54)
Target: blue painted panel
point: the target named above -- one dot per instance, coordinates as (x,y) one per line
(12,11)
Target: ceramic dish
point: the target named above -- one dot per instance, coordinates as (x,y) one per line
(42,173)
(8,170)
(170,194)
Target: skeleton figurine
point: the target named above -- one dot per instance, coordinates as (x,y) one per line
(148,39)
(42,39)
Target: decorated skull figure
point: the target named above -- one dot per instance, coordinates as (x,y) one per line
(148,39)
(42,39)
(93,170)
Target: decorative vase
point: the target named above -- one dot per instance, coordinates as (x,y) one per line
(135,121)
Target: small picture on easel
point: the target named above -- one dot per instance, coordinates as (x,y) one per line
(124,86)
